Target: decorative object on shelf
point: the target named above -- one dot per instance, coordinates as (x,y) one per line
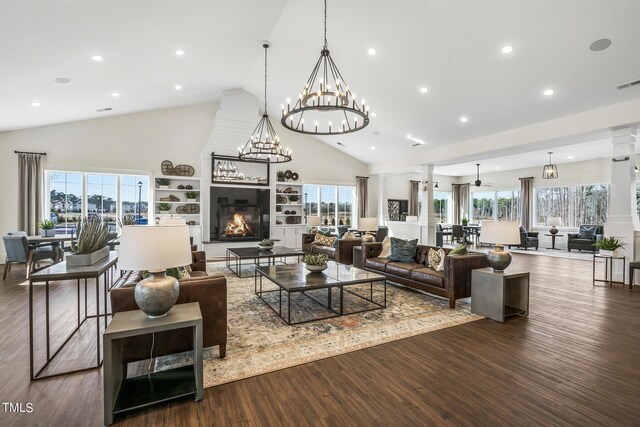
(264,143)
(367,225)
(325,97)
(169,198)
(287,212)
(554,221)
(181,187)
(313,222)
(288,174)
(293,220)
(500,233)
(191,222)
(191,196)
(163,183)
(550,171)
(156,249)
(188,187)
(293,212)
(266,244)
(278,222)
(316,262)
(294,198)
(609,246)
(295,176)
(290,190)
(164,208)
(280,176)
(278,208)
(167,168)
(281,199)
(47,228)
(188,209)
(91,242)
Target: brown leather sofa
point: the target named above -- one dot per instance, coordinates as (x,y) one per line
(342,253)
(452,283)
(209,291)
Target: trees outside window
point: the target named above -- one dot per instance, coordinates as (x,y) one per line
(590,204)
(441,206)
(552,201)
(334,204)
(65,200)
(508,205)
(483,205)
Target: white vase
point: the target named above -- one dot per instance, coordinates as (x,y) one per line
(605,252)
(191,200)
(163,187)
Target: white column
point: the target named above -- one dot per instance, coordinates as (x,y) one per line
(427,213)
(622,217)
(383,205)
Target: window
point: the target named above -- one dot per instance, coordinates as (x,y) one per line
(134,198)
(483,205)
(102,197)
(334,204)
(65,200)
(508,205)
(441,206)
(590,204)
(552,201)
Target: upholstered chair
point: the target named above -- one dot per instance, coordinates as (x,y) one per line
(19,251)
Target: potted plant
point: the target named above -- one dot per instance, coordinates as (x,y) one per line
(464,221)
(266,244)
(191,196)
(609,246)
(91,242)
(280,176)
(278,208)
(163,183)
(315,262)
(164,208)
(47,228)
(294,198)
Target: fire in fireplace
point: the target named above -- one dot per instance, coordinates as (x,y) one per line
(238,227)
(240,221)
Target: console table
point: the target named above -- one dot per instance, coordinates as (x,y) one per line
(125,394)
(499,295)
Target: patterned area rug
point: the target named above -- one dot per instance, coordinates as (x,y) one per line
(260,342)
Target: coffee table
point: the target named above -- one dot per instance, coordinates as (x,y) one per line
(235,256)
(338,280)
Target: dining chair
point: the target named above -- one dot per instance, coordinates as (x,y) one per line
(457,233)
(18,251)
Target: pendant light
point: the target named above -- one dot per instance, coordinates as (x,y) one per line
(264,144)
(550,171)
(478,183)
(326,101)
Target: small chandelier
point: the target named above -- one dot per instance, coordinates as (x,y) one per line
(550,171)
(264,144)
(227,170)
(326,99)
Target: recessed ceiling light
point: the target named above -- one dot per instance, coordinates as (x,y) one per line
(508,48)
(549,92)
(424,89)
(177,87)
(115,94)
(464,119)
(179,52)
(35,104)
(373,148)
(371,51)
(373,115)
(62,80)
(97,58)
(570,157)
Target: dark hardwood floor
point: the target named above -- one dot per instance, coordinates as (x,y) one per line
(574,361)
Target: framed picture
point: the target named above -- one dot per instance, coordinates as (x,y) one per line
(398,209)
(232,170)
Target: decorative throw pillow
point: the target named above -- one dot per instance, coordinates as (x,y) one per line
(386,248)
(459,250)
(403,250)
(436,259)
(586,232)
(323,240)
(324,233)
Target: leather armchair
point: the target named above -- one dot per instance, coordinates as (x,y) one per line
(528,239)
(574,242)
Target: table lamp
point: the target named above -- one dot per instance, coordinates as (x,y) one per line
(554,221)
(314,222)
(500,233)
(367,225)
(155,248)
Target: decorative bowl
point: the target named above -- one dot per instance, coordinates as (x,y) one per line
(315,268)
(265,248)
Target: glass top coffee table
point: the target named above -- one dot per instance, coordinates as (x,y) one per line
(337,291)
(235,256)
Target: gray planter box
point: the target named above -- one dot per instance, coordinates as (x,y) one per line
(48,233)
(84,260)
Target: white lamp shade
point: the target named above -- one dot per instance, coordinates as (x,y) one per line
(314,221)
(368,224)
(412,218)
(150,247)
(174,220)
(554,221)
(500,232)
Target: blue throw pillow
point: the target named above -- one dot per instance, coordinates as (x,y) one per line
(403,250)
(586,232)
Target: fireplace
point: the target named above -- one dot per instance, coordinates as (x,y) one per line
(239,214)
(240,222)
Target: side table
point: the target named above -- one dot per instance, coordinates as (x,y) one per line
(125,394)
(553,240)
(499,295)
(357,257)
(608,269)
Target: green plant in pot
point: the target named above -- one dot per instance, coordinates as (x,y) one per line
(163,183)
(280,175)
(47,228)
(266,244)
(464,221)
(316,262)
(191,196)
(90,245)
(609,246)
(164,207)
(294,198)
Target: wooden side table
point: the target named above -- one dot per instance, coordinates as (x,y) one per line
(499,295)
(125,394)
(553,240)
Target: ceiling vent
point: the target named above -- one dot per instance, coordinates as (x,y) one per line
(628,85)
(102,110)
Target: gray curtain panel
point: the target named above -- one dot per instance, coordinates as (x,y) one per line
(526,202)
(30,191)
(464,201)
(413,198)
(362,191)
(460,196)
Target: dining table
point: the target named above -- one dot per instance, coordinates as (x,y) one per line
(57,242)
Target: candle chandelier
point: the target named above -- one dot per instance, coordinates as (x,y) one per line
(326,101)
(264,144)
(227,170)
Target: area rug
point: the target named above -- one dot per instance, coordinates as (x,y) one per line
(260,342)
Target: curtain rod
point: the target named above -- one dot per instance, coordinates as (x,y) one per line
(529,177)
(28,152)
(411,180)
(365,177)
